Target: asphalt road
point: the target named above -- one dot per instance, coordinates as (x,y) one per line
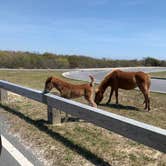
(157,85)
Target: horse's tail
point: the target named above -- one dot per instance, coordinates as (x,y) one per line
(92,80)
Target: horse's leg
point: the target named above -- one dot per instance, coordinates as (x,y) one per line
(145,93)
(148,103)
(148,98)
(116,95)
(112,90)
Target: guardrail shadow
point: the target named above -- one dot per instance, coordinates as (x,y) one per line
(41,125)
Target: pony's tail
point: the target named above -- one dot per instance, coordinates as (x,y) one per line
(92,80)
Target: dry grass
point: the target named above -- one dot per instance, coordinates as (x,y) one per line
(80,143)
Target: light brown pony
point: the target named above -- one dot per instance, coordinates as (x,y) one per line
(68,90)
(124,80)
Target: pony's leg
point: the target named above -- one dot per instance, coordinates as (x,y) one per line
(112,90)
(116,95)
(91,101)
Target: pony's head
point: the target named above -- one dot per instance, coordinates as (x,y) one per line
(48,85)
(98,96)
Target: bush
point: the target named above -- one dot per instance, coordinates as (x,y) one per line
(12,59)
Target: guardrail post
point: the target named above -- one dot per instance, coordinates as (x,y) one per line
(3,95)
(54,115)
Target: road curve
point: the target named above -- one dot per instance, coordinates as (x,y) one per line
(157,85)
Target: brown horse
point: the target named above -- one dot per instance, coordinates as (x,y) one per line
(124,80)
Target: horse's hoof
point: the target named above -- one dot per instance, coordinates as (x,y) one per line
(146,109)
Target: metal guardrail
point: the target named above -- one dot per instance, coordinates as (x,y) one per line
(143,133)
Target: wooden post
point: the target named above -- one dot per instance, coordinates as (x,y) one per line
(54,115)
(3,95)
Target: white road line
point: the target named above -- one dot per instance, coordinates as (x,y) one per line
(19,157)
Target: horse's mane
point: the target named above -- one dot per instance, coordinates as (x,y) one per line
(104,82)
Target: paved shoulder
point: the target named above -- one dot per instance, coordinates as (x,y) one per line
(13,152)
(6,159)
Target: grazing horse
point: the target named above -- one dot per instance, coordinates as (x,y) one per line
(124,80)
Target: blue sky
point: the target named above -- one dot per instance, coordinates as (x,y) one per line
(115,29)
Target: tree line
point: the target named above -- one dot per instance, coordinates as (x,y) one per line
(18,59)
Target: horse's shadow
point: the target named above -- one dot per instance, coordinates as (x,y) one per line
(120,106)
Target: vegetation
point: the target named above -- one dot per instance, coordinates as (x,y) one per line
(77,142)
(12,59)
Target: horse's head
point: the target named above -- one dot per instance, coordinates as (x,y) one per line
(48,85)
(98,96)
